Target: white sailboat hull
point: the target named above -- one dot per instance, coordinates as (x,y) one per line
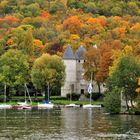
(72,105)
(5,106)
(45,106)
(24,105)
(90,106)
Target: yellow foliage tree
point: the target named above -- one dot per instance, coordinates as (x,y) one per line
(74,41)
(38,47)
(117,55)
(135,27)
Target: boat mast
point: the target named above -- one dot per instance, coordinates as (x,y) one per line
(48,92)
(25,93)
(5,93)
(28,93)
(91,87)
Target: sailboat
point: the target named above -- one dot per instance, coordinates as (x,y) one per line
(5,106)
(90,89)
(90,92)
(24,105)
(72,104)
(46,105)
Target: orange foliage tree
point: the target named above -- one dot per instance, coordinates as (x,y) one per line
(91,64)
(105,61)
(45,14)
(73,24)
(38,47)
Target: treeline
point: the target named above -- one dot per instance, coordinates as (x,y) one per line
(27,8)
(58,23)
(36,27)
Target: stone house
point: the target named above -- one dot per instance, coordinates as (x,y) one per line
(74,81)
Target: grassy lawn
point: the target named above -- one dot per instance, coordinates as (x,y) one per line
(15,103)
(57,100)
(62,102)
(65,102)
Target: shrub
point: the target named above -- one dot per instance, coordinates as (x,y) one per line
(57,98)
(137,104)
(95,95)
(73,96)
(1,98)
(112,101)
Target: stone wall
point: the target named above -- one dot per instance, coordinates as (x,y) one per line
(70,81)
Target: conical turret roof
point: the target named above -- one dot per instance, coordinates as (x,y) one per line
(68,54)
(80,52)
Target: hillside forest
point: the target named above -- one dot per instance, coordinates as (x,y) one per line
(32,31)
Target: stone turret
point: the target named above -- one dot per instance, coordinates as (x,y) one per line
(80,57)
(74,81)
(70,63)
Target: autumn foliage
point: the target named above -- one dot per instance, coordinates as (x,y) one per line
(9,18)
(45,14)
(48,26)
(73,24)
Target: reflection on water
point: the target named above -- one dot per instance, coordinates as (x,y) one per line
(67,124)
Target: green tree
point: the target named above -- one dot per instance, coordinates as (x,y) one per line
(31,10)
(125,77)
(41,34)
(112,101)
(28,45)
(48,71)
(56,6)
(91,7)
(23,39)
(14,68)
(116,11)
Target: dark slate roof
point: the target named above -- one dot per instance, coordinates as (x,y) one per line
(68,54)
(80,52)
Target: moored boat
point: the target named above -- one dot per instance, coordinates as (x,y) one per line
(72,105)
(45,105)
(90,106)
(22,105)
(5,106)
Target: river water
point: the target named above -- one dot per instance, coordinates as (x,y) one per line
(67,124)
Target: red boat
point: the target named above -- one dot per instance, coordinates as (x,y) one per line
(23,105)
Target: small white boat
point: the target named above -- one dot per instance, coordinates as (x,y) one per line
(45,105)
(91,106)
(72,105)
(5,106)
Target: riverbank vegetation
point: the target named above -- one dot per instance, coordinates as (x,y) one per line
(57,100)
(35,33)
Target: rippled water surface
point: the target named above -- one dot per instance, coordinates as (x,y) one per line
(67,124)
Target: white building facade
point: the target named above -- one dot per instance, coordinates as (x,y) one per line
(74,81)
